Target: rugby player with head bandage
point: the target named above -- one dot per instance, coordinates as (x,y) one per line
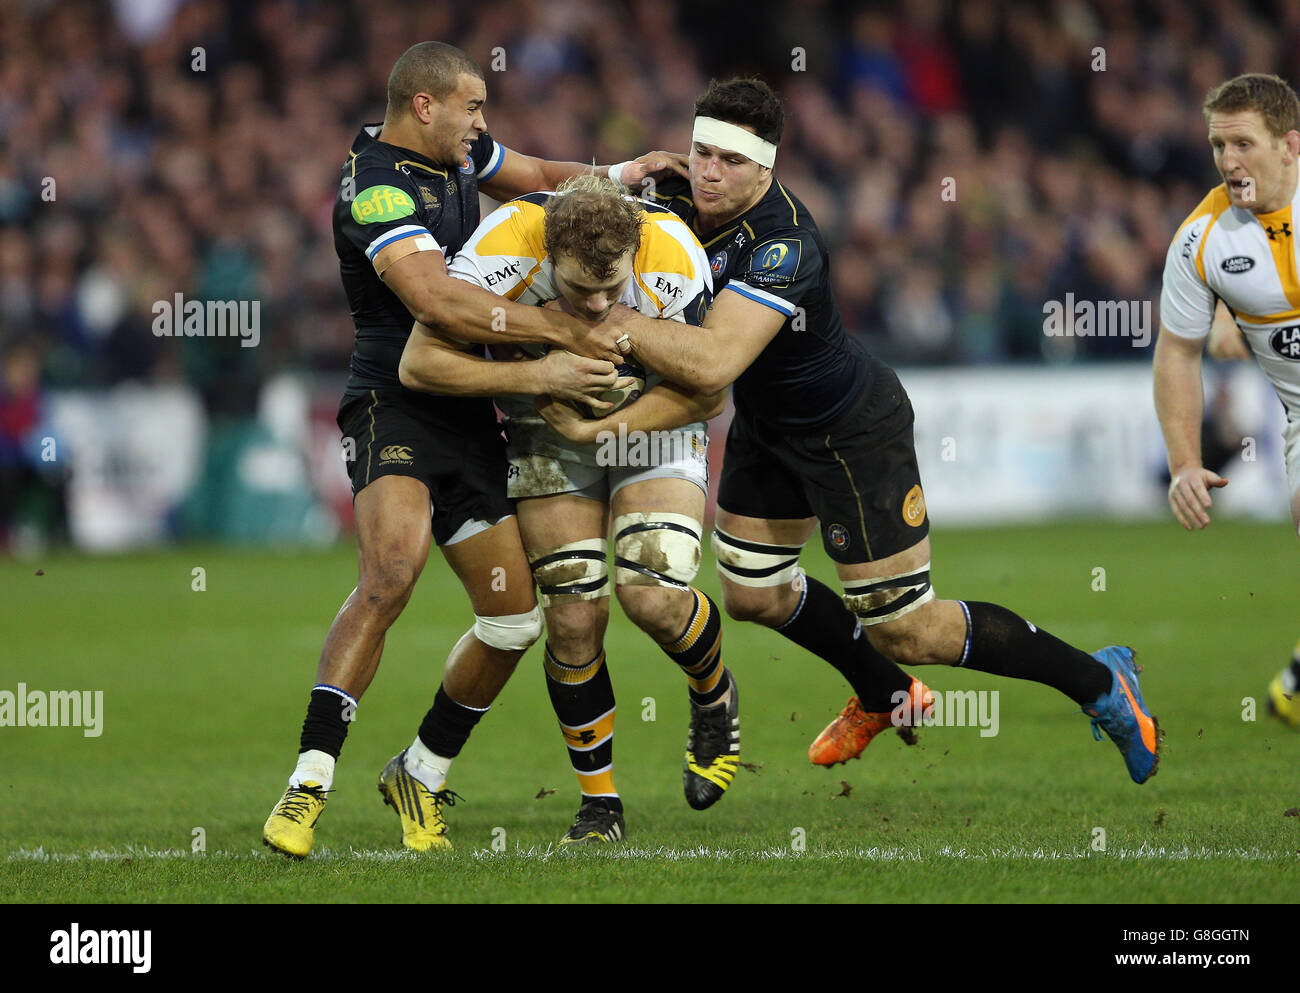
(1238,246)
(822,439)
(584,248)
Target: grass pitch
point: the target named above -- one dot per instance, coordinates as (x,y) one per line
(204,693)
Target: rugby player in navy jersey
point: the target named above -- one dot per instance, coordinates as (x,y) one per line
(822,439)
(426,467)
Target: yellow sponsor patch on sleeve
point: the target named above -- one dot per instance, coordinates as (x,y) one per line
(381,203)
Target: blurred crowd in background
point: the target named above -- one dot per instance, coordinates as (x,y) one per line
(966,161)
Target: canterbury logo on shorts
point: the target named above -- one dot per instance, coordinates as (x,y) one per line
(395,453)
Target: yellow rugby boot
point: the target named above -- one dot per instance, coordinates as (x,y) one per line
(1283,705)
(418,807)
(291,828)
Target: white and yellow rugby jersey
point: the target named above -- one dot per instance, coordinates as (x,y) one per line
(670,279)
(1249,261)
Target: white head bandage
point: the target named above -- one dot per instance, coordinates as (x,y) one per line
(732,138)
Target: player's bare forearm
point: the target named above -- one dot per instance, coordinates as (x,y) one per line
(471,314)
(432,365)
(556,173)
(523,174)
(709,358)
(1179,399)
(1226,342)
(1179,402)
(678,352)
(468,313)
(661,408)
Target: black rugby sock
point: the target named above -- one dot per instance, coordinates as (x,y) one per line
(326,724)
(823,625)
(447,725)
(1005,644)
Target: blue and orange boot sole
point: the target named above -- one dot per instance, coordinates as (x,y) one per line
(1123,714)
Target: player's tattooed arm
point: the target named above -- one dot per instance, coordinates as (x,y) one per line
(435,363)
(708,358)
(1179,406)
(466,312)
(660,408)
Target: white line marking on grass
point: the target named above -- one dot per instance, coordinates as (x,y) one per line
(703,853)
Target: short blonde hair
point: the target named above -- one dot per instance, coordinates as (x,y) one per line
(592,220)
(1267,95)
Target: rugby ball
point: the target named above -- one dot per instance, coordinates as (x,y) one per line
(621,397)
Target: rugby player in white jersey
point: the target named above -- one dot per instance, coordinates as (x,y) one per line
(587,247)
(426,469)
(1238,246)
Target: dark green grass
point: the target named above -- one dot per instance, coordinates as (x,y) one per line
(204,693)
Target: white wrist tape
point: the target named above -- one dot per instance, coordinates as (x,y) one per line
(616,172)
(733,138)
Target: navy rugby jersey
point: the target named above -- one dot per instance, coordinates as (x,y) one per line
(386,194)
(811,372)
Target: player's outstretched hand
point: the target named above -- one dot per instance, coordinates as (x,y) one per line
(566,420)
(1189,496)
(656,165)
(566,376)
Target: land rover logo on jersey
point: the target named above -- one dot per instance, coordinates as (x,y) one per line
(395,453)
(839,536)
(1286,342)
(719,263)
(381,203)
(914,507)
(1238,263)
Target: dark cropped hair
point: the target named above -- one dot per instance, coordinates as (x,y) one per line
(431,67)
